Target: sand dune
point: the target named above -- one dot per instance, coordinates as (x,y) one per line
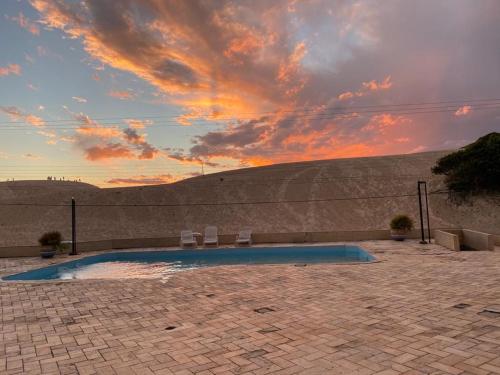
(344,195)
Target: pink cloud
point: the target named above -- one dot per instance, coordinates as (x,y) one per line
(10,69)
(463,111)
(367,88)
(25,23)
(18,115)
(122,95)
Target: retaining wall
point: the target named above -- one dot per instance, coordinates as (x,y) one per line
(224,239)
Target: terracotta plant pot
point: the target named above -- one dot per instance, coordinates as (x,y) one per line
(399,235)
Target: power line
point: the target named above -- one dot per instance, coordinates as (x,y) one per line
(323,115)
(320,116)
(219,203)
(297,109)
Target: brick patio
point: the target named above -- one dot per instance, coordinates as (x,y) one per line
(392,317)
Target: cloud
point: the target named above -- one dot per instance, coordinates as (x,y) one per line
(122,95)
(463,111)
(99,142)
(17,114)
(138,124)
(31,156)
(50,135)
(79,99)
(25,23)
(10,69)
(367,87)
(146,149)
(29,58)
(296,80)
(108,151)
(32,87)
(143,180)
(178,155)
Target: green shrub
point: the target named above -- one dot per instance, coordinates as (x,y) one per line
(402,222)
(51,239)
(474,168)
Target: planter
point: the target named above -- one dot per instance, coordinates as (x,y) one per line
(399,235)
(47,252)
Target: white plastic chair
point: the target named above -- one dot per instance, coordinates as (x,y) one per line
(187,238)
(244,237)
(211,237)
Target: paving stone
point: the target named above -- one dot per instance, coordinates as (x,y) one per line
(420,310)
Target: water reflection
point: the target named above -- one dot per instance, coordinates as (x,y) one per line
(123,270)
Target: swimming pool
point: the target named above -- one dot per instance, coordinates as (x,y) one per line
(159,264)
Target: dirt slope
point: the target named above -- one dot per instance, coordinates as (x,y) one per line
(316,181)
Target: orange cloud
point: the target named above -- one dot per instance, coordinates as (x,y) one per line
(288,68)
(252,67)
(143,180)
(17,115)
(108,151)
(122,95)
(10,69)
(138,124)
(463,111)
(25,23)
(366,88)
(384,122)
(243,46)
(98,131)
(375,86)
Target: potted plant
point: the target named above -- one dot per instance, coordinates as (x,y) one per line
(400,226)
(50,242)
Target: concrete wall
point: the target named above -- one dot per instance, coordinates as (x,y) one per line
(478,240)
(224,239)
(447,239)
(496,239)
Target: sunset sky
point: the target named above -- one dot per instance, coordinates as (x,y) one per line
(130,92)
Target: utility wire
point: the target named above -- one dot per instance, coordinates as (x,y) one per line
(321,116)
(297,109)
(220,203)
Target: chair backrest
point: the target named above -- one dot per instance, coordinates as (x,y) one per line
(187,235)
(245,234)
(211,232)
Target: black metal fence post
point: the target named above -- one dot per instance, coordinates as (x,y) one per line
(73,227)
(422,241)
(427,212)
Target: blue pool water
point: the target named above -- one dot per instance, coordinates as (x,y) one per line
(159,264)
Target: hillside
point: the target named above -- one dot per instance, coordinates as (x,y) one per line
(330,184)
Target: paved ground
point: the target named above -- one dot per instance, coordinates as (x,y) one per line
(392,317)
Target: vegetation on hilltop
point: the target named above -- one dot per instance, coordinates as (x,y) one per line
(473,169)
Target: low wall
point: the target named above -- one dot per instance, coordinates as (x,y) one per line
(478,240)
(496,239)
(224,239)
(447,239)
